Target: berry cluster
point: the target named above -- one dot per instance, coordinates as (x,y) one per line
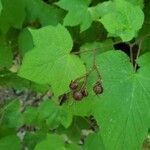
(80,92)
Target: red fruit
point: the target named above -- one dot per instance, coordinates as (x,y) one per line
(73,85)
(77,95)
(98,89)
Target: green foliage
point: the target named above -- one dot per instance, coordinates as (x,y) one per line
(78,13)
(0,6)
(45,45)
(126,107)
(55,142)
(55,67)
(25,41)
(9,114)
(31,139)
(37,10)
(12,15)
(5,55)
(93,142)
(51,142)
(48,112)
(10,142)
(124,20)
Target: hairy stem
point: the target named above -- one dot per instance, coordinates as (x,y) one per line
(95,67)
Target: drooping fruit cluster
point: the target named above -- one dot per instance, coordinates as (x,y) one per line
(97,88)
(78,92)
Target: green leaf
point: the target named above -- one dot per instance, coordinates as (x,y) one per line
(56,142)
(104,8)
(145,46)
(144,60)
(99,46)
(1,6)
(95,33)
(73,147)
(25,41)
(94,141)
(11,80)
(147,12)
(124,21)
(78,13)
(10,115)
(123,109)
(6,55)
(5,131)
(74,131)
(32,138)
(54,115)
(83,108)
(144,32)
(52,142)
(48,113)
(66,116)
(42,12)
(50,60)
(30,116)
(87,50)
(137,2)
(10,142)
(12,15)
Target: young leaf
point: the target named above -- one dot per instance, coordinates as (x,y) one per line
(124,21)
(78,13)
(50,60)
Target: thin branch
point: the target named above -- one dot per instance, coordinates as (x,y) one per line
(138,53)
(83,51)
(84,83)
(95,67)
(91,50)
(131,54)
(140,39)
(85,75)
